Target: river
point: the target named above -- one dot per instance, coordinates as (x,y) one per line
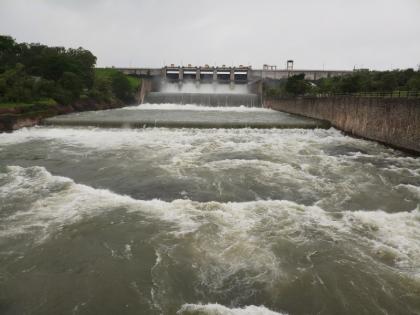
(206,221)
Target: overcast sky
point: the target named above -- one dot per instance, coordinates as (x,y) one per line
(335,34)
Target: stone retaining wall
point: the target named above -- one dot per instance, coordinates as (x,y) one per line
(393,121)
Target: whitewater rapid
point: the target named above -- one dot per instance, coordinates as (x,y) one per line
(213,221)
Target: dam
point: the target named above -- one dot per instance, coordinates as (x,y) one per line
(192,105)
(201,201)
(239,74)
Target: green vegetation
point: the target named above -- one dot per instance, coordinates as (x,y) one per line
(42,102)
(362,82)
(42,75)
(121,85)
(109,72)
(297,85)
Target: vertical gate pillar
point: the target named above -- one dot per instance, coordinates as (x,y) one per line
(181,74)
(232,75)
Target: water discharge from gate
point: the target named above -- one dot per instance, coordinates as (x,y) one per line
(205,94)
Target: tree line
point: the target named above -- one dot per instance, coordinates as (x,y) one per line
(360,81)
(32,72)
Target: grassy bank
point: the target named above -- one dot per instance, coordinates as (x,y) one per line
(17,115)
(44,102)
(107,73)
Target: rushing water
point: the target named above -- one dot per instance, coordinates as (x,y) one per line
(207,99)
(206,221)
(207,94)
(192,116)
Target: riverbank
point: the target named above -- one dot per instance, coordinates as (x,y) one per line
(391,121)
(28,115)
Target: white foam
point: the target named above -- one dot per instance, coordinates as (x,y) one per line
(48,202)
(396,234)
(217,309)
(293,162)
(189,87)
(52,201)
(271,140)
(412,189)
(169,106)
(243,233)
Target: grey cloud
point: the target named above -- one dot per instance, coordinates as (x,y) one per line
(337,34)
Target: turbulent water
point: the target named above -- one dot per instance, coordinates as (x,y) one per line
(186,116)
(206,221)
(204,88)
(207,94)
(210,99)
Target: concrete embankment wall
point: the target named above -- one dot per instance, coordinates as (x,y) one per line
(146,87)
(393,121)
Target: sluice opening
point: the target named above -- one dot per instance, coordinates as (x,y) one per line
(204,94)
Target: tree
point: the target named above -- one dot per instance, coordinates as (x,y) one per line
(414,82)
(121,87)
(16,85)
(55,63)
(297,85)
(71,83)
(102,89)
(8,51)
(44,88)
(389,82)
(350,84)
(31,71)
(85,62)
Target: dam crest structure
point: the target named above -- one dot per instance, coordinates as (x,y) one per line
(213,86)
(162,92)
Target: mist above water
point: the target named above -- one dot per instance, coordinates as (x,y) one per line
(204,94)
(195,107)
(204,88)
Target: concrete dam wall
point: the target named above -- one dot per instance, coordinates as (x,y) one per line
(393,121)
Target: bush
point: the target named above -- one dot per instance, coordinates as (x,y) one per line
(414,82)
(16,85)
(121,87)
(102,90)
(297,85)
(71,83)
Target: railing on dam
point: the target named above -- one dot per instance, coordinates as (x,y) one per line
(240,74)
(392,94)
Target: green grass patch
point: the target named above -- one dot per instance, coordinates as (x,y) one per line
(42,102)
(14,105)
(46,102)
(109,72)
(105,72)
(134,82)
